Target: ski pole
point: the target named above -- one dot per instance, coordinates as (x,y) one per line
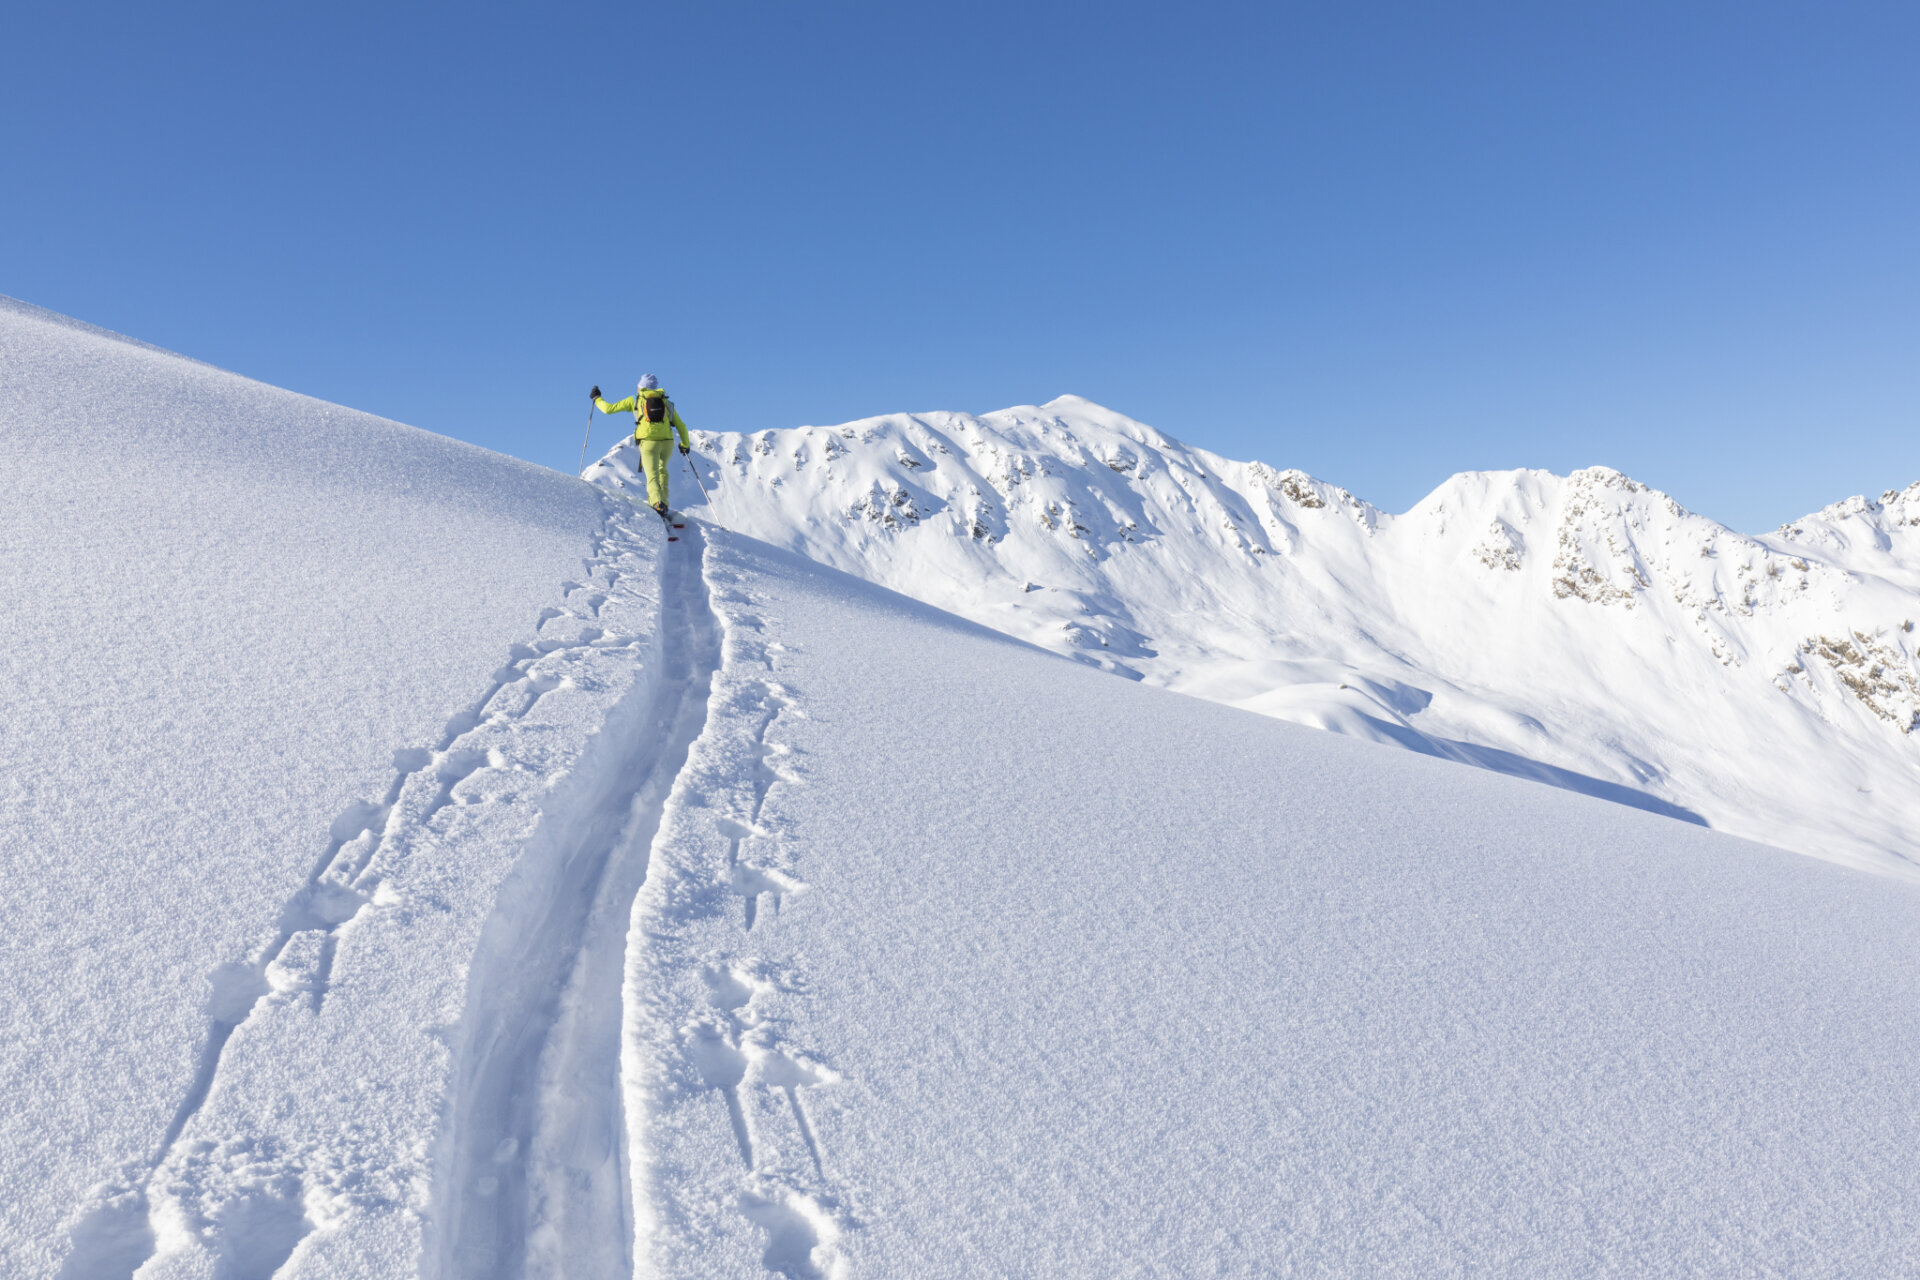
(583,439)
(702,483)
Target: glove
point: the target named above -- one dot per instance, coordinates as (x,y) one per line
(594,394)
(684,451)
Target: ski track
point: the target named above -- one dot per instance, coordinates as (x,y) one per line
(708,1015)
(573,984)
(534,1180)
(123,1224)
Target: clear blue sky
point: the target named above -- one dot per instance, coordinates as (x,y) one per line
(1383,242)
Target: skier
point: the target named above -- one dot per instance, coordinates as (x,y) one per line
(654,422)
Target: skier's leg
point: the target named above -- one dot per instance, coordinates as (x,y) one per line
(653,456)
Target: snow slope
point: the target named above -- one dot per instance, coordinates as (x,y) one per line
(234,618)
(703,911)
(1582,630)
(961,960)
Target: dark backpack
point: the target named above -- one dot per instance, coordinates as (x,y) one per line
(656,408)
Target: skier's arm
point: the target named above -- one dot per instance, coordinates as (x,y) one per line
(625,406)
(679,424)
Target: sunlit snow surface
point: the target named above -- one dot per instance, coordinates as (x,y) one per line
(1583,630)
(1004,967)
(232,619)
(552,901)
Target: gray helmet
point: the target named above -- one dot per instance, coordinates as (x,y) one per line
(649,383)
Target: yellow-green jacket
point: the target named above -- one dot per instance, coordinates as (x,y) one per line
(644,430)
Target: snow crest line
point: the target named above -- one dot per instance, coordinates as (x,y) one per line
(533,1176)
(154,1206)
(728,1156)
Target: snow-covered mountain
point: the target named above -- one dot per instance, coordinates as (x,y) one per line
(413,866)
(1584,630)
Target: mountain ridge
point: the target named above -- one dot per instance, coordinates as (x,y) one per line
(418,866)
(1586,626)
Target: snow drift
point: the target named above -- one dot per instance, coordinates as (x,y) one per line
(413,866)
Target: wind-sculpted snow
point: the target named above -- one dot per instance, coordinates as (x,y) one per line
(1582,629)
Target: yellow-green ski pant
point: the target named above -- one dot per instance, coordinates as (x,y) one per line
(654,455)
